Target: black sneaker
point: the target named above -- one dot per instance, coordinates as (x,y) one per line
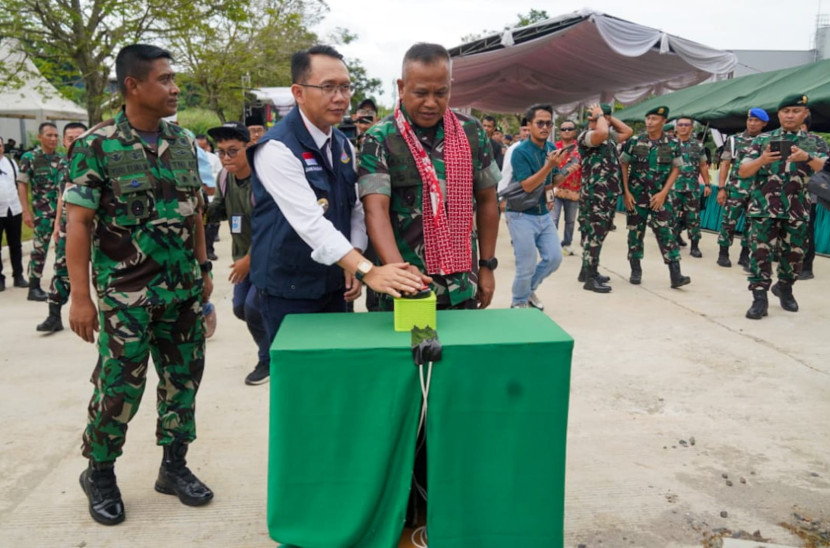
(260,374)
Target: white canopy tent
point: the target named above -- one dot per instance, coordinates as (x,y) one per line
(24,107)
(578,59)
(281,98)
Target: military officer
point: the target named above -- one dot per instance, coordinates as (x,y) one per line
(40,172)
(685,193)
(779,207)
(650,164)
(135,200)
(600,188)
(733,191)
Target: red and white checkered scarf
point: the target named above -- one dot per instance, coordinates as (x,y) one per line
(447,227)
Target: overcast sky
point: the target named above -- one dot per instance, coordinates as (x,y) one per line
(387,28)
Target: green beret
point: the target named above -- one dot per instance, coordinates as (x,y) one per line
(796,100)
(659,111)
(668,127)
(606,108)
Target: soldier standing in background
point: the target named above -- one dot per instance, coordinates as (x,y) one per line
(136,201)
(40,170)
(782,162)
(733,191)
(600,189)
(654,160)
(59,288)
(685,198)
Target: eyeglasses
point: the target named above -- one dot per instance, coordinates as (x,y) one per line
(683,124)
(566,129)
(543,123)
(329,89)
(230,153)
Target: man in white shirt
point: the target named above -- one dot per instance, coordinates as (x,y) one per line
(11,219)
(308,229)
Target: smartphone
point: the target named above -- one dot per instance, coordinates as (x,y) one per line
(782,147)
(568,148)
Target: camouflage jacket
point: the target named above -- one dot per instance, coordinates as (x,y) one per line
(387,167)
(147,201)
(733,151)
(693,156)
(650,162)
(43,174)
(600,166)
(780,188)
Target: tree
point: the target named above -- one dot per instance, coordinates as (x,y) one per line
(363,85)
(85,34)
(523,20)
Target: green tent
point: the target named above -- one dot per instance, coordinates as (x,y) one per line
(723,105)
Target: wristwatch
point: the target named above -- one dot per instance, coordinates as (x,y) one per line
(491,263)
(206,267)
(363,268)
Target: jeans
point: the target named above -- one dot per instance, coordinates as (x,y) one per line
(246,308)
(529,233)
(570,207)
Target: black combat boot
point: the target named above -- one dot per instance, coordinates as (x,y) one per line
(593,281)
(784,291)
(695,250)
(743,260)
(636,272)
(677,278)
(723,256)
(53,321)
(105,504)
(20,281)
(175,478)
(35,292)
(680,241)
(759,305)
(581,278)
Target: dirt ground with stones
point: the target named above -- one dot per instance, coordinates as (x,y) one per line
(689,424)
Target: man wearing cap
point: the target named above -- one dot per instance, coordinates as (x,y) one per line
(600,189)
(685,193)
(365,116)
(255,123)
(782,161)
(650,164)
(733,191)
(233,201)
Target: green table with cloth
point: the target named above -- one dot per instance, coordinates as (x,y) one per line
(345,405)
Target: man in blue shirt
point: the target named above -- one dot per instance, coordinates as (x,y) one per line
(535,165)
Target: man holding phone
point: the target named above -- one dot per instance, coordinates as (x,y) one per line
(782,162)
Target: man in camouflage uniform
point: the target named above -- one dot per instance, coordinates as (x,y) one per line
(733,191)
(59,289)
(650,164)
(135,199)
(392,189)
(685,193)
(40,170)
(600,189)
(779,206)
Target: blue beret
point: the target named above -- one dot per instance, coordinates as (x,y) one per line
(759,113)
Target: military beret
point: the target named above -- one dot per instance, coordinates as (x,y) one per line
(759,113)
(668,127)
(797,100)
(606,108)
(659,111)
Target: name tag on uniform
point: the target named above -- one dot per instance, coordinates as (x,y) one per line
(236,224)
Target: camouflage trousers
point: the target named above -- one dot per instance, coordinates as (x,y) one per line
(736,204)
(44,225)
(596,215)
(174,335)
(787,239)
(661,223)
(59,289)
(686,207)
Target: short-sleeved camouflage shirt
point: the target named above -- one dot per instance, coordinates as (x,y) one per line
(733,151)
(651,162)
(387,167)
(600,165)
(693,155)
(780,188)
(42,172)
(147,200)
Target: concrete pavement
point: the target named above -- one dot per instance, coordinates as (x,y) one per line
(674,393)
